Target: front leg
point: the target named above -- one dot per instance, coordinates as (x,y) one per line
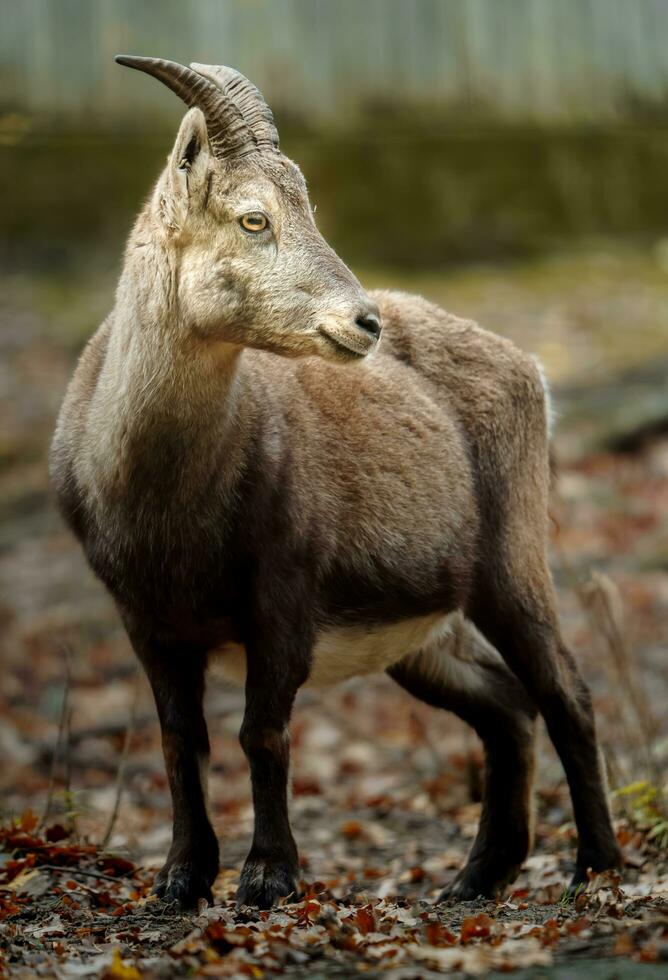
(177,679)
(276,668)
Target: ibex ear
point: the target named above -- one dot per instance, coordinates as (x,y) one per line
(184,187)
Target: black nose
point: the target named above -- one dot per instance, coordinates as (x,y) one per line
(369,322)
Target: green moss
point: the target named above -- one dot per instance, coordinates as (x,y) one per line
(396,192)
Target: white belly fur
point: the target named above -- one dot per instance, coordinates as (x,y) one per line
(350,651)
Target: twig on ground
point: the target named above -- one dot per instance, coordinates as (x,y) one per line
(601,599)
(601,602)
(62,724)
(66,869)
(120,774)
(67,788)
(421,729)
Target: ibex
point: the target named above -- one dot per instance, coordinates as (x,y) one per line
(260,478)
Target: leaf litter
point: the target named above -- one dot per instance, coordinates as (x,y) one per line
(386,791)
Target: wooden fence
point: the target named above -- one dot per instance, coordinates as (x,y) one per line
(544,61)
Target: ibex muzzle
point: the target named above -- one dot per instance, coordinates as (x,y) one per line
(301,519)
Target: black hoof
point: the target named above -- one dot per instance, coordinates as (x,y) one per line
(609,859)
(262,884)
(463,890)
(474,882)
(184,882)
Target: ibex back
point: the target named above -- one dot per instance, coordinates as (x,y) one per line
(259,478)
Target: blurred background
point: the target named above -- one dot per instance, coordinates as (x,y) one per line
(508,160)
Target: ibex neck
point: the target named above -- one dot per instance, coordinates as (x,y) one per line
(164,407)
(158,375)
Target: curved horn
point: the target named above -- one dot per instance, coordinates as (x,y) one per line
(229,133)
(249,100)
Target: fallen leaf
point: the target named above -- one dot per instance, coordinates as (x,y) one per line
(476,927)
(118,969)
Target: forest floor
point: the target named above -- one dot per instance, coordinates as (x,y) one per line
(386,791)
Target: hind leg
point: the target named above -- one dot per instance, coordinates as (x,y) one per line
(517,615)
(485,694)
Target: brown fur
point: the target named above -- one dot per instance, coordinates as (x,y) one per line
(238,472)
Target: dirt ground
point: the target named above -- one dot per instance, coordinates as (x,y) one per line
(385,790)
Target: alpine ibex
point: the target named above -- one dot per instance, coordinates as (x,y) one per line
(260,479)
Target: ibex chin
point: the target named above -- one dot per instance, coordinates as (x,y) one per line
(260,479)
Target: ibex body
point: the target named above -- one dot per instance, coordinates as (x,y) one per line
(254,489)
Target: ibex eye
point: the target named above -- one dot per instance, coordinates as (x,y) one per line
(254,221)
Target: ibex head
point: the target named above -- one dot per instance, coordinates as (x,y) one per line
(233,213)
